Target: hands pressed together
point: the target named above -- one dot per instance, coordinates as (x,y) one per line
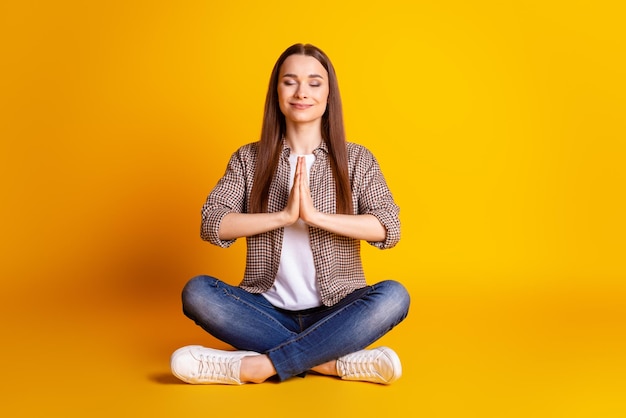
(300,203)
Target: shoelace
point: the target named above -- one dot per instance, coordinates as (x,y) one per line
(360,365)
(215,366)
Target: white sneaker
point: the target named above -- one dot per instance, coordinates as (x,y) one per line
(379,365)
(200,365)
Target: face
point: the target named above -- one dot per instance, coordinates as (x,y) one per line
(302,89)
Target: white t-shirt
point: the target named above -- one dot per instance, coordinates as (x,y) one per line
(295,287)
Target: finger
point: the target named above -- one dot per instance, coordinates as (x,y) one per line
(303,172)
(301,165)
(305,193)
(295,188)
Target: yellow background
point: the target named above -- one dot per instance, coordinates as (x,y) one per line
(500,127)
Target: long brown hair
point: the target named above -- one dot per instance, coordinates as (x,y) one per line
(273,130)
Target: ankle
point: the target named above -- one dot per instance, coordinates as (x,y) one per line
(328,368)
(256,369)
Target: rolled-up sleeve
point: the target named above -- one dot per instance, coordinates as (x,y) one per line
(229,195)
(375,198)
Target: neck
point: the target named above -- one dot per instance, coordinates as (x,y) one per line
(303,140)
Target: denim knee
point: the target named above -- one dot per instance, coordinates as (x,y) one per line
(396,297)
(194,294)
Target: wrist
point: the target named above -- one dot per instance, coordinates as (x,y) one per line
(285,218)
(315,218)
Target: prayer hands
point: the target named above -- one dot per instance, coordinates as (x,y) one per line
(300,203)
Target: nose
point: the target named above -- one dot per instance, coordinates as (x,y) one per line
(301,91)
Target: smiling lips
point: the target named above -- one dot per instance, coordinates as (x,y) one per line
(300,106)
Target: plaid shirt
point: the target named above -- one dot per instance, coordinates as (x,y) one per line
(337,258)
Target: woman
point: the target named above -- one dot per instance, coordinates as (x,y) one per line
(304,198)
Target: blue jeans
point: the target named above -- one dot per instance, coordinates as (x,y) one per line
(295,341)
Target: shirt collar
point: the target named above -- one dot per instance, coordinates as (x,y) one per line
(321,147)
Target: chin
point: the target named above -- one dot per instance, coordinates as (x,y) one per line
(303,118)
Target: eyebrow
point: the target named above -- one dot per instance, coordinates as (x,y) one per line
(295,76)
